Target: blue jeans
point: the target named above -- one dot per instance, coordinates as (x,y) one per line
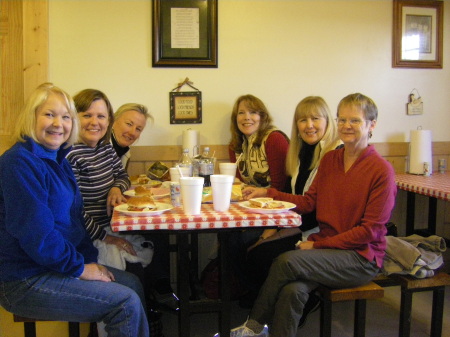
(294,274)
(52,296)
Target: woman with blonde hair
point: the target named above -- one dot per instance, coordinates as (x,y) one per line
(49,267)
(314,133)
(129,122)
(130,119)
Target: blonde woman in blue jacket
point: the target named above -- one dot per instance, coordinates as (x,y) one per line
(48,264)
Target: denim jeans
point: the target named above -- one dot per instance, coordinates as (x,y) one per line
(52,296)
(294,274)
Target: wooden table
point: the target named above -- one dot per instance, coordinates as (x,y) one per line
(176,222)
(436,186)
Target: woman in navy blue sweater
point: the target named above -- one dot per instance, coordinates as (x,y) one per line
(48,265)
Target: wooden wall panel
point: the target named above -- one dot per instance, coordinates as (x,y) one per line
(396,153)
(11,39)
(35,45)
(24,58)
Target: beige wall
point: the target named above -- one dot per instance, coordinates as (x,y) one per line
(278,50)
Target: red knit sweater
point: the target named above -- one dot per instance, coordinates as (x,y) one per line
(352,207)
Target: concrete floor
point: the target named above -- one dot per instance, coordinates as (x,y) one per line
(382,317)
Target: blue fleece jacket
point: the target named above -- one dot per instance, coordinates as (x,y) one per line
(41,223)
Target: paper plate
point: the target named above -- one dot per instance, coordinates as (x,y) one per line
(287,206)
(160,208)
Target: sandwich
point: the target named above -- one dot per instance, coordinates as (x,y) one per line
(141,179)
(267,203)
(141,191)
(259,202)
(141,204)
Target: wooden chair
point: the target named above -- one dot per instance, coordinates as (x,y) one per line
(29,326)
(410,285)
(360,295)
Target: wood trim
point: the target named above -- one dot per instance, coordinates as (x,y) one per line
(11,36)
(35,45)
(396,153)
(24,58)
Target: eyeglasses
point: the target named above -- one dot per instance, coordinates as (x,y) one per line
(353,121)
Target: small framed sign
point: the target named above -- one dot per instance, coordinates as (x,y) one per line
(185,107)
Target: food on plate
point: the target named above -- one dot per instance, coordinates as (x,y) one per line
(141,191)
(267,203)
(236,192)
(141,204)
(159,171)
(141,179)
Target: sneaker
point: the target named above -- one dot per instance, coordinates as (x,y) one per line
(243,331)
(311,305)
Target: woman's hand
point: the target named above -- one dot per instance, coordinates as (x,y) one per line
(121,243)
(115,198)
(267,235)
(96,272)
(305,245)
(253,192)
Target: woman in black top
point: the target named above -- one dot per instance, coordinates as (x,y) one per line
(314,133)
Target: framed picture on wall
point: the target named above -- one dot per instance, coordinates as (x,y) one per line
(417,34)
(186,107)
(184,33)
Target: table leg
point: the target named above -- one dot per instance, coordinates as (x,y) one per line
(196,291)
(410,214)
(432,212)
(410,207)
(437,312)
(225,292)
(183,267)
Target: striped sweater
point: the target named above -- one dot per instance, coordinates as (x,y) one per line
(97,170)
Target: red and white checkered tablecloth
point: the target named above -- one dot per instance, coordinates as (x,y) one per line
(175,219)
(437,185)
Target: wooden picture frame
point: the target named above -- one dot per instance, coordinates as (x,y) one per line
(184,33)
(417,34)
(185,107)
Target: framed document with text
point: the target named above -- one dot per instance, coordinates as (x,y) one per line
(184,33)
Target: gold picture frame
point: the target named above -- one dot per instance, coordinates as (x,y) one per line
(184,33)
(417,34)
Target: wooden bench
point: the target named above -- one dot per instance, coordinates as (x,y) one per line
(29,326)
(410,285)
(359,294)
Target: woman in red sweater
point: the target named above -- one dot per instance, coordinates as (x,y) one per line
(353,195)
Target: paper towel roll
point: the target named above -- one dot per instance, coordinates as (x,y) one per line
(190,141)
(420,151)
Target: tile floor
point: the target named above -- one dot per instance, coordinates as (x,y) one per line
(382,317)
